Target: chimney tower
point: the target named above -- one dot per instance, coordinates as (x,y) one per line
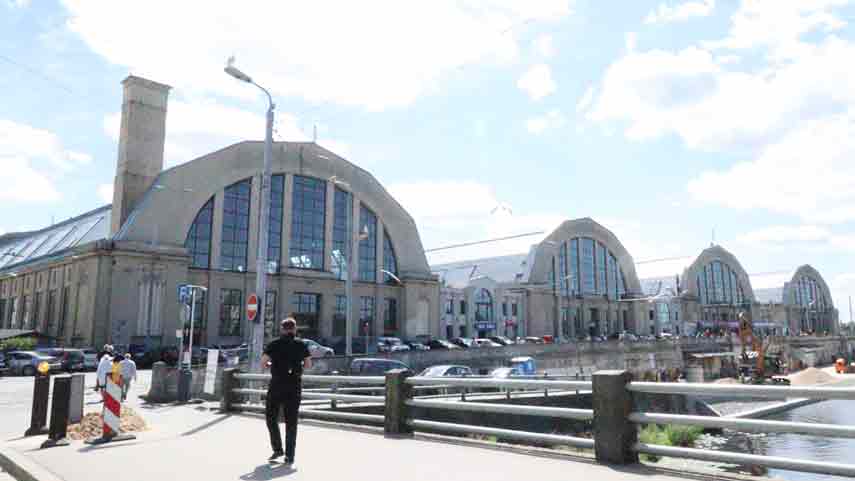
(141,140)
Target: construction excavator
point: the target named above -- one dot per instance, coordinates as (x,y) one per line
(757,366)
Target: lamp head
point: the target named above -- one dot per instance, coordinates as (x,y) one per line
(235,72)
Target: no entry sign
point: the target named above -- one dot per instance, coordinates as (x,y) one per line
(252,307)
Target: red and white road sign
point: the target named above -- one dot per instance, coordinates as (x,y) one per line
(252,307)
(112,412)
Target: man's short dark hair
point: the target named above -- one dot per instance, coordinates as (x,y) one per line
(289,324)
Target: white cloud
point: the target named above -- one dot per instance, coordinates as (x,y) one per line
(631,41)
(553,119)
(196,127)
(842,287)
(105,193)
(585,101)
(33,160)
(537,82)
(454,212)
(374,55)
(544,46)
(681,12)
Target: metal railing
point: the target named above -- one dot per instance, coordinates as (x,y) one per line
(613,416)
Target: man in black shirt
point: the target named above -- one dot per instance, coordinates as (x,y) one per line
(286,357)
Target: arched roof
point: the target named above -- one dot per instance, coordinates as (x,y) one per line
(584,227)
(192,184)
(806,270)
(717,253)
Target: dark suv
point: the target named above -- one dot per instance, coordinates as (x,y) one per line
(3,366)
(71,359)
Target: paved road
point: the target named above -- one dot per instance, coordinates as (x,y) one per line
(16,399)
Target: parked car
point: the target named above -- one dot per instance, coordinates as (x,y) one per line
(357,345)
(71,359)
(4,368)
(90,359)
(374,367)
(391,344)
(440,344)
(481,342)
(504,372)
(317,350)
(532,340)
(416,345)
(26,363)
(504,341)
(463,342)
(446,370)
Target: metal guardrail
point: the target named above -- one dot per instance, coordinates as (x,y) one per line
(613,417)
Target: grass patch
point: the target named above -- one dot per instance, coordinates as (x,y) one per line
(668,435)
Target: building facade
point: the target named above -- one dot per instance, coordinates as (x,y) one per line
(112,275)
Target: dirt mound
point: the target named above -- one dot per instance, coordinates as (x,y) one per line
(810,376)
(91,426)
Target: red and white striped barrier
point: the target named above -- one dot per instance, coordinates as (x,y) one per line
(112,413)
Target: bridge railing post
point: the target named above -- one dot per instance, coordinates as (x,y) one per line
(397,394)
(229,383)
(614,434)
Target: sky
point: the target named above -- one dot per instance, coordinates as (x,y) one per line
(675,124)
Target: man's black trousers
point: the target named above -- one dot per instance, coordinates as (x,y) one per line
(287,399)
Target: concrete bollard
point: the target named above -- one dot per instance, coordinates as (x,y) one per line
(158,391)
(59,412)
(75,404)
(397,394)
(614,435)
(229,383)
(38,418)
(185,381)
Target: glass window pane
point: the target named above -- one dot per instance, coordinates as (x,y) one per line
(307,223)
(198,242)
(367,246)
(235,226)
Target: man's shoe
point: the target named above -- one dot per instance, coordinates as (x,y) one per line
(276,454)
(289,463)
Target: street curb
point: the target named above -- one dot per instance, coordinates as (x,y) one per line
(22,468)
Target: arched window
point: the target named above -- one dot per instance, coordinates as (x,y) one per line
(368,245)
(717,283)
(198,242)
(235,240)
(274,223)
(390,262)
(341,236)
(483,308)
(307,223)
(589,269)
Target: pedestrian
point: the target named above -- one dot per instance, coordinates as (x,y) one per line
(286,357)
(128,368)
(105,365)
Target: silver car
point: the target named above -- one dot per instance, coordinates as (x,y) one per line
(318,350)
(26,363)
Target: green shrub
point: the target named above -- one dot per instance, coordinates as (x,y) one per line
(18,344)
(683,436)
(669,435)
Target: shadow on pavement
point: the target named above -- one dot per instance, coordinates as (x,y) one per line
(268,471)
(206,425)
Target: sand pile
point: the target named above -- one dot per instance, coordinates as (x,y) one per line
(91,426)
(809,377)
(726,380)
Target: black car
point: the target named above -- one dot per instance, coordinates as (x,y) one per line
(463,342)
(502,340)
(357,345)
(71,359)
(417,345)
(440,344)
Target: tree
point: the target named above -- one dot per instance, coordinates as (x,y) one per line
(18,344)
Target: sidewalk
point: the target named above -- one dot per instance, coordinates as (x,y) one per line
(189,442)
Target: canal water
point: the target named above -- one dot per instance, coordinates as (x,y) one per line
(796,446)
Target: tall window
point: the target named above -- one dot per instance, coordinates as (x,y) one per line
(3,314)
(718,297)
(587,263)
(390,262)
(339,318)
(449,306)
(198,241)
(307,309)
(274,224)
(37,314)
(270,325)
(200,318)
(601,269)
(51,311)
(366,316)
(307,223)
(613,278)
(25,312)
(390,317)
(368,246)
(483,310)
(505,308)
(562,269)
(574,266)
(235,226)
(63,312)
(463,307)
(231,307)
(341,236)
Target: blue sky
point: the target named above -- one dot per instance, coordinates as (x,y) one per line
(662,120)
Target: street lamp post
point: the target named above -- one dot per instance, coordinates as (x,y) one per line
(257,326)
